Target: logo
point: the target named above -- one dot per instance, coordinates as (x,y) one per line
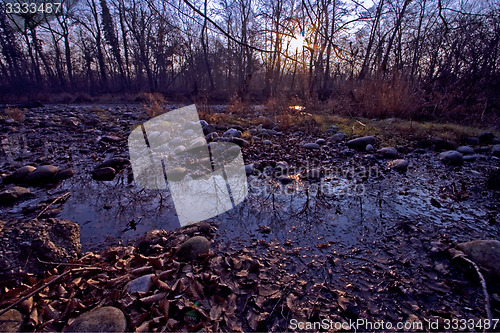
(204,180)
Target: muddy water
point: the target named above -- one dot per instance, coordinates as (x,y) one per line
(337,210)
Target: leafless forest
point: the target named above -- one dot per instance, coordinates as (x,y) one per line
(395,57)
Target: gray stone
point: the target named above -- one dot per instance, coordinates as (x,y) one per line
(193,247)
(334,128)
(41,174)
(339,137)
(176,174)
(361,143)
(267,142)
(142,284)
(202,123)
(486,137)
(21,173)
(211,136)
(106,173)
(13,194)
(110,139)
(451,157)
(285,179)
(116,163)
(471,141)
(249,169)
(240,142)
(470,158)
(311,145)
(179,150)
(484,253)
(388,152)
(232,132)
(64,174)
(11,321)
(399,165)
(465,150)
(209,129)
(369,148)
(104,319)
(495,150)
(321,142)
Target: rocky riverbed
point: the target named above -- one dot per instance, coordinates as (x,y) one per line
(333,227)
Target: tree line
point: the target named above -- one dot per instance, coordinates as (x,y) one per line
(260,48)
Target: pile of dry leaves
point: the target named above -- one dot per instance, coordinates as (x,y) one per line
(232,291)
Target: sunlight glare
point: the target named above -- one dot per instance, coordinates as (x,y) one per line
(297,42)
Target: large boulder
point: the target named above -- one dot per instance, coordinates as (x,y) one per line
(105,319)
(24,243)
(193,247)
(361,143)
(484,253)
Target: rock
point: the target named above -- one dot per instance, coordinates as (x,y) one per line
(465,150)
(495,150)
(399,165)
(176,174)
(116,163)
(179,150)
(64,174)
(202,123)
(334,128)
(193,247)
(240,142)
(209,129)
(321,142)
(13,194)
(470,158)
(142,284)
(442,144)
(284,179)
(249,169)
(485,137)
(110,139)
(23,243)
(42,174)
(211,136)
(339,137)
(369,148)
(232,132)
(106,173)
(471,141)
(388,152)
(361,143)
(21,173)
(311,146)
(484,253)
(11,321)
(104,319)
(451,157)
(267,142)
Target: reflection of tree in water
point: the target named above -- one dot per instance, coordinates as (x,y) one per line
(109,208)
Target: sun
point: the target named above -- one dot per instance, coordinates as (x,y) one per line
(297,42)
